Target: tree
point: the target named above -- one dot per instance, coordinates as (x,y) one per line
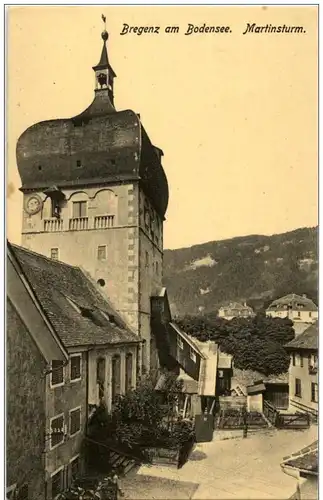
(144,418)
(255,343)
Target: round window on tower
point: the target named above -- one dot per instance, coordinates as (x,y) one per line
(101,282)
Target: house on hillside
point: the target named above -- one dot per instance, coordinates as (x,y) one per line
(235,310)
(303,371)
(304,467)
(299,309)
(98,362)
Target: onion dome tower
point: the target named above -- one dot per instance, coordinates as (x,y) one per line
(98,146)
(95,195)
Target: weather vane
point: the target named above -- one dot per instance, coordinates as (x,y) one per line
(104,19)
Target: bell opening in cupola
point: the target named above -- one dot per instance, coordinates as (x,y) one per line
(102,79)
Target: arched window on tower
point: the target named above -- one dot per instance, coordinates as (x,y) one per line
(106,206)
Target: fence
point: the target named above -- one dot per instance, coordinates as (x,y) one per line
(270,412)
(286,420)
(236,419)
(293,421)
(226,402)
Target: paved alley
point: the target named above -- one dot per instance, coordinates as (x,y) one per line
(230,469)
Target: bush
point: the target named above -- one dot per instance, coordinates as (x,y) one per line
(144,418)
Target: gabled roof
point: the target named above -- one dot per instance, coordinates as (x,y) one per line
(79,313)
(296,302)
(22,303)
(236,306)
(305,460)
(306,340)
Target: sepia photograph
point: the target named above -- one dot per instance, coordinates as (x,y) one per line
(162,270)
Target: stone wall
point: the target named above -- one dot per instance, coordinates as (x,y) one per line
(25,415)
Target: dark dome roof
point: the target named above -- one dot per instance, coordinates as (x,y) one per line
(99,146)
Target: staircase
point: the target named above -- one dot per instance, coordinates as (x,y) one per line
(124,463)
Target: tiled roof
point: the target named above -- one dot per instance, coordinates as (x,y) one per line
(236,305)
(296,302)
(305,459)
(306,340)
(63,291)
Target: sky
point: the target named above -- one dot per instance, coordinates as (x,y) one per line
(236,115)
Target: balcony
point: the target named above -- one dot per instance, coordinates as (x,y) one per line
(53,225)
(79,224)
(103,221)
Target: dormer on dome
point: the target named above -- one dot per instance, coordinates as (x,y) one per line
(104,74)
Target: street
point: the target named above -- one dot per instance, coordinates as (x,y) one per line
(230,469)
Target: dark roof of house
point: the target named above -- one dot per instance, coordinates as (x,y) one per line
(256,388)
(305,459)
(79,313)
(306,340)
(296,302)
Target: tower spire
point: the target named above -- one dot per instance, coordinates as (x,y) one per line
(104,74)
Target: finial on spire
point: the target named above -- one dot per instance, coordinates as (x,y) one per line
(104,34)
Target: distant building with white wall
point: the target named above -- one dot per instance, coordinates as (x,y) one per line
(235,310)
(297,308)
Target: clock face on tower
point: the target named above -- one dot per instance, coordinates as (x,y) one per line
(33,204)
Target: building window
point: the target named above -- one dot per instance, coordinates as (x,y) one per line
(75,421)
(55,209)
(315,392)
(57,430)
(144,353)
(298,360)
(22,493)
(298,388)
(301,361)
(147,218)
(102,252)
(75,468)
(310,314)
(293,359)
(312,364)
(180,343)
(192,355)
(116,377)
(100,376)
(76,367)
(57,483)
(57,373)
(147,259)
(79,209)
(128,372)
(54,253)
(78,163)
